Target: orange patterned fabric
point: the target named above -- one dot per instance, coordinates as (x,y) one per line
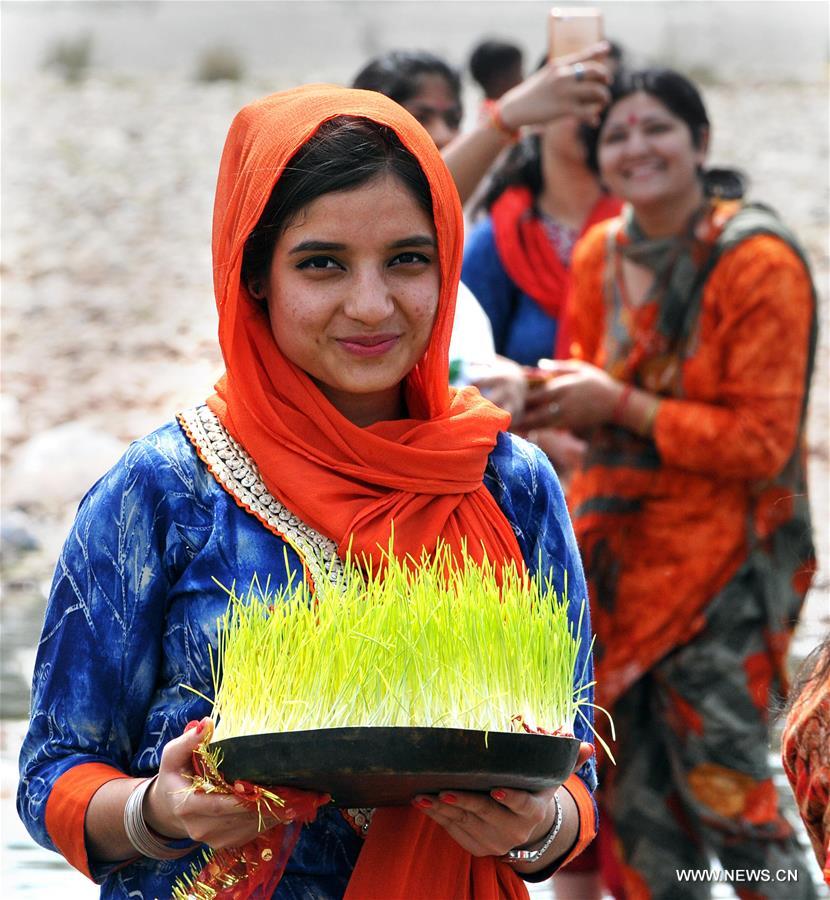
(66,809)
(667,522)
(805,747)
(587,816)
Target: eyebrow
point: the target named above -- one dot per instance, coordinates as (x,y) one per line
(413,240)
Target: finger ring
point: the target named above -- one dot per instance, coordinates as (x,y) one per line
(553,409)
(579,71)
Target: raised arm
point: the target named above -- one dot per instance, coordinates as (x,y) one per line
(575,86)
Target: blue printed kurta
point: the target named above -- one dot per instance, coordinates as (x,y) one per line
(133,610)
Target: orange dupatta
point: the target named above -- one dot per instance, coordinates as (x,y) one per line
(424,472)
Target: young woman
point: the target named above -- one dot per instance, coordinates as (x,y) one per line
(517,257)
(422,83)
(693,327)
(336,249)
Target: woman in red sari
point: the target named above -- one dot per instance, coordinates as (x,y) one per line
(694,328)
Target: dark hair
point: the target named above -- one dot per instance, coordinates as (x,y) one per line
(344,153)
(682,99)
(491,61)
(396,74)
(522,166)
(616,52)
(813,672)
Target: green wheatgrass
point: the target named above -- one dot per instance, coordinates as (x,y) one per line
(439,644)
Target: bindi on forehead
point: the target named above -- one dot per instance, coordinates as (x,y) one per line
(632,119)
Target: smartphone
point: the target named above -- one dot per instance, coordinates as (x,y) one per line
(573,29)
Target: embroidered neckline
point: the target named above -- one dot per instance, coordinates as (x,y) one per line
(360,818)
(238,474)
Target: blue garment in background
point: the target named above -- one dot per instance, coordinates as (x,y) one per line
(522,330)
(133,610)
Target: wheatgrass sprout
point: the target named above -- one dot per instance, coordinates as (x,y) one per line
(446,642)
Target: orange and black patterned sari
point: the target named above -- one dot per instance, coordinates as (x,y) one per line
(697,541)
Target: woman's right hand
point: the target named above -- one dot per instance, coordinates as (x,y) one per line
(565,450)
(174,810)
(576,85)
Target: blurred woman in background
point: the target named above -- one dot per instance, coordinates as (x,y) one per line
(693,323)
(423,84)
(517,258)
(563,95)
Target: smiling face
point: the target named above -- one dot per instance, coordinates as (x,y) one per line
(352,293)
(436,107)
(647,155)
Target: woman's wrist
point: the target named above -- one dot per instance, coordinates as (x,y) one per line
(535,849)
(563,841)
(641,412)
(494,111)
(146,840)
(633,409)
(156,820)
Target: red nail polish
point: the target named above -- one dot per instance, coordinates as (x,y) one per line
(423,803)
(449,798)
(200,727)
(192,724)
(498,795)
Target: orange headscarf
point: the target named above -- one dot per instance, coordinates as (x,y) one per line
(350,483)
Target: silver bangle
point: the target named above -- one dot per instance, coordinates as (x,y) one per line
(138,832)
(533,856)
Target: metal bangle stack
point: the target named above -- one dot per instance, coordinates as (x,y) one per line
(145,841)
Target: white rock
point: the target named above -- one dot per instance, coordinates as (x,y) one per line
(54,469)
(12,426)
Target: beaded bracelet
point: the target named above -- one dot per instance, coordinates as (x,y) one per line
(533,856)
(145,841)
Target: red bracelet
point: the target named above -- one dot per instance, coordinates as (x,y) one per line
(493,110)
(620,405)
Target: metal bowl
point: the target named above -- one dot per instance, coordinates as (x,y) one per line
(388,766)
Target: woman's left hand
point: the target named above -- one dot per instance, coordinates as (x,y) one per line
(492,824)
(486,826)
(577,396)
